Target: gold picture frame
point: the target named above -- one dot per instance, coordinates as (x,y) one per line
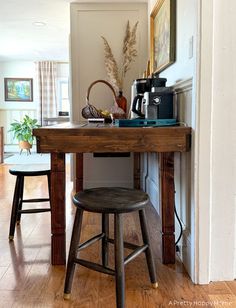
(162,35)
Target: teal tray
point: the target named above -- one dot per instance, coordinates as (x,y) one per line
(144,122)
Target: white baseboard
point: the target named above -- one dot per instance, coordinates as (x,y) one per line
(185,251)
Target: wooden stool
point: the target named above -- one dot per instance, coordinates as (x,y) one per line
(107,201)
(20,171)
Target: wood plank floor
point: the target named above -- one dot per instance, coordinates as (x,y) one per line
(28,280)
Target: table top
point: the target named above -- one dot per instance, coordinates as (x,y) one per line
(99,137)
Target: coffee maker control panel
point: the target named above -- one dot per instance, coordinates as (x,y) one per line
(158,105)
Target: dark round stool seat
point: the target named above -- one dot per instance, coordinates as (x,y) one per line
(111,200)
(30,170)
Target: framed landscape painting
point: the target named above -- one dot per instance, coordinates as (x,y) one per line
(163,35)
(18,89)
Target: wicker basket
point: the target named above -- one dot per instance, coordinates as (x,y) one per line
(90,111)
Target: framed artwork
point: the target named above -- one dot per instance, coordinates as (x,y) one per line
(163,35)
(18,89)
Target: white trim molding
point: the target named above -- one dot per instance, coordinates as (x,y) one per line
(203,142)
(183,85)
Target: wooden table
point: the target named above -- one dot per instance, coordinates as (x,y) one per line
(90,138)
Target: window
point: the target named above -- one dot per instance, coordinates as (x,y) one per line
(63,95)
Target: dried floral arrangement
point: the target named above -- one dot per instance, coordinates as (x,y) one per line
(115,75)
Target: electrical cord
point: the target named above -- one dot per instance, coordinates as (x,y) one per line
(181,227)
(180,224)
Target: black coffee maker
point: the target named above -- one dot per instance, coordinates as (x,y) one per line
(153,100)
(158,103)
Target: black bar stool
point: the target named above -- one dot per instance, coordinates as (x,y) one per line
(117,201)
(20,171)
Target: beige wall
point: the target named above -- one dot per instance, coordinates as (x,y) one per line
(88,23)
(87,54)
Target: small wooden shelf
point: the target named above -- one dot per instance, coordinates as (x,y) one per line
(54,120)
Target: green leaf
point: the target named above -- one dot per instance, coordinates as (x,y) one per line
(22,130)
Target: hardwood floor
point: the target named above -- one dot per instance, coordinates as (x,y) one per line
(28,280)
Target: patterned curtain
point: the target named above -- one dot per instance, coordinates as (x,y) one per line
(46,72)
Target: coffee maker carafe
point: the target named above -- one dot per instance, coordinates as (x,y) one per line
(139,87)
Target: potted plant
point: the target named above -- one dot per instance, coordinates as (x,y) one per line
(22,131)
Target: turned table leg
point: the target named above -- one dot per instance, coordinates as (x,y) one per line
(167,199)
(57,195)
(136,170)
(79,172)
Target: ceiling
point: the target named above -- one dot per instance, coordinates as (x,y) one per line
(20,39)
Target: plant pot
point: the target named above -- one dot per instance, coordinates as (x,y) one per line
(25,145)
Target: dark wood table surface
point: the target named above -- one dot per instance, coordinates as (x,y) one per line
(98,138)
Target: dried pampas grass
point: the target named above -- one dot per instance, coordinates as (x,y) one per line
(111,66)
(116,76)
(129,47)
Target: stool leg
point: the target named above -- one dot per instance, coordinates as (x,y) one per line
(14,209)
(105,229)
(74,244)
(119,261)
(148,251)
(20,200)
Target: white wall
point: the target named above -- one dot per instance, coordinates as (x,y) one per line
(180,76)
(17,69)
(10,111)
(213,188)
(223,222)
(215,137)
(183,68)
(211,212)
